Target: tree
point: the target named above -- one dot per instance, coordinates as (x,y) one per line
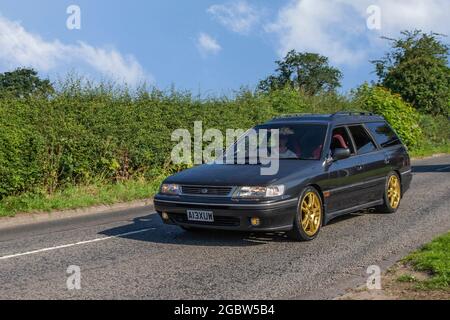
(417,69)
(24,82)
(307,72)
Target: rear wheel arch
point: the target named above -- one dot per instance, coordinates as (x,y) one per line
(399,178)
(387,206)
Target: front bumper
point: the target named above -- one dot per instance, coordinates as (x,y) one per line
(274,216)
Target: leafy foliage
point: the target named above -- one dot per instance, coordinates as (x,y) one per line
(306,72)
(100,134)
(22,83)
(417,69)
(85,134)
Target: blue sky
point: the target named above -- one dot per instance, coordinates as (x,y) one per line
(209,47)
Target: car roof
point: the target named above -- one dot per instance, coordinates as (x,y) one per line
(339,118)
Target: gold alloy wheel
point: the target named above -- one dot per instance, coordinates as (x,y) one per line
(311,213)
(394,193)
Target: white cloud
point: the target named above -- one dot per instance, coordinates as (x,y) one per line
(238,16)
(427,15)
(20,48)
(207,44)
(316,26)
(112,63)
(337,28)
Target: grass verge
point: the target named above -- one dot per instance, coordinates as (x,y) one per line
(434,259)
(422,275)
(75,197)
(430,149)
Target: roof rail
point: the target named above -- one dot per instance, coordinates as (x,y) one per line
(294,115)
(352,113)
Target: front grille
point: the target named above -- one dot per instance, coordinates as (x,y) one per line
(206,190)
(220,221)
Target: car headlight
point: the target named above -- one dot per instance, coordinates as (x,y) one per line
(260,192)
(170,189)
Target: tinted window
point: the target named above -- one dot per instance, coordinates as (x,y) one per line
(296,141)
(383,134)
(363,142)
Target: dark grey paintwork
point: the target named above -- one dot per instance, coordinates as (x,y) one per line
(345,185)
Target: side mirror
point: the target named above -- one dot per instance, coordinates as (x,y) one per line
(341,153)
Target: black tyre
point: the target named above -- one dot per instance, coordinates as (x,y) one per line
(392,194)
(309,217)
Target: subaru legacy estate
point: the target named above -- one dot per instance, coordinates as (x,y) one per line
(329,165)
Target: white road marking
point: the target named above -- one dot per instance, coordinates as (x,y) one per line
(73,244)
(442,169)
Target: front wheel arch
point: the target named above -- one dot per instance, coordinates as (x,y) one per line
(322,197)
(298,232)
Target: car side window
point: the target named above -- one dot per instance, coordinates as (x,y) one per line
(363,142)
(383,134)
(341,139)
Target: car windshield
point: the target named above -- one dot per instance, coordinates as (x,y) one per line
(295,142)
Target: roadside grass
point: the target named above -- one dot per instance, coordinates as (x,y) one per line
(422,275)
(429,149)
(75,197)
(434,259)
(407,278)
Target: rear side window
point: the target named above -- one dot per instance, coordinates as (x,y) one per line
(383,134)
(363,142)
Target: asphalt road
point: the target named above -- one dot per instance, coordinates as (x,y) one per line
(130,254)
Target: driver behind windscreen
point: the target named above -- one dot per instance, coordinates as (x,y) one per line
(284,151)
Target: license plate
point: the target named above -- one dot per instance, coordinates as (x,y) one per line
(200,215)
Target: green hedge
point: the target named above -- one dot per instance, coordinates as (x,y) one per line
(80,136)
